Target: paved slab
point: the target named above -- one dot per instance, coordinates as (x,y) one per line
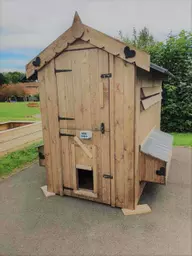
(31,224)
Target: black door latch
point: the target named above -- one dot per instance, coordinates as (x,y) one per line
(102,128)
(107,176)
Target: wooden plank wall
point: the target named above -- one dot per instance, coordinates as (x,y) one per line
(145,121)
(124,76)
(50,126)
(20,137)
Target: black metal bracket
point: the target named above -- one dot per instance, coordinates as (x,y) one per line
(66,134)
(106,75)
(41,155)
(161,172)
(65,118)
(107,176)
(62,70)
(102,128)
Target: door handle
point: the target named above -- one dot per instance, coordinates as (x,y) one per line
(102,128)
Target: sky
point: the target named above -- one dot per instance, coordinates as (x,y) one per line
(27,27)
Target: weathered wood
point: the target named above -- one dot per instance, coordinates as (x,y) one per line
(129,136)
(20,143)
(19,132)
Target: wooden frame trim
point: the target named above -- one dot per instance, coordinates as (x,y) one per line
(74,171)
(146,103)
(84,167)
(96,38)
(86,193)
(112,129)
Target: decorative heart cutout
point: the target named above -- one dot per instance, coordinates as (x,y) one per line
(129,53)
(37,62)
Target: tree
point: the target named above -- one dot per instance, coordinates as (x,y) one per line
(13,77)
(174,54)
(2,79)
(142,40)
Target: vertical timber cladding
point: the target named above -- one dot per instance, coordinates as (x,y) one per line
(84,96)
(50,126)
(124,133)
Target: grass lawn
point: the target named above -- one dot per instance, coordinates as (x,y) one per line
(17,111)
(18,159)
(182,139)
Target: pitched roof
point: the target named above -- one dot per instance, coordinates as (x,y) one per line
(80,31)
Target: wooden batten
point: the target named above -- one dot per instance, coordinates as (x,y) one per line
(49,106)
(149,91)
(148,102)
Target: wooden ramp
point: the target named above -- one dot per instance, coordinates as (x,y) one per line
(18,138)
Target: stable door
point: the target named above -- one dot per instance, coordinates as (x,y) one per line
(83,99)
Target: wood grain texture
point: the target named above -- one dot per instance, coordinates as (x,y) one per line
(149,119)
(129,136)
(46,131)
(83,147)
(54,140)
(149,91)
(148,102)
(148,167)
(124,134)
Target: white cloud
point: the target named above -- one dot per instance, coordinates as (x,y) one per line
(35,24)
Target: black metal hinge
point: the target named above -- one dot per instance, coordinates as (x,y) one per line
(66,134)
(161,172)
(107,176)
(65,118)
(62,70)
(106,75)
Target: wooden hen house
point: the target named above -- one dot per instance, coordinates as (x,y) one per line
(100,106)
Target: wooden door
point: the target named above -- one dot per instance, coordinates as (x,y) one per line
(84,106)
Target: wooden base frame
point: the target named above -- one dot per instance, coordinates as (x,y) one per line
(140,209)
